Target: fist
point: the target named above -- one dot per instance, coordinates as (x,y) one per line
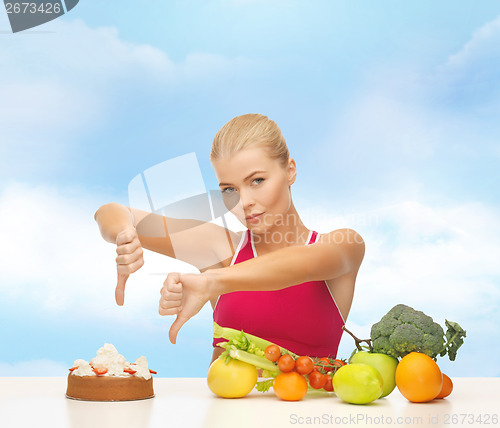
(129,260)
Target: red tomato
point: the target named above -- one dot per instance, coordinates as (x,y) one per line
(325,364)
(317,380)
(304,365)
(273,353)
(338,363)
(322,365)
(286,363)
(328,384)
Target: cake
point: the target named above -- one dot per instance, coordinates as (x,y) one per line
(109,377)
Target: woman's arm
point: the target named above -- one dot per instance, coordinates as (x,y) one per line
(202,244)
(199,243)
(112,219)
(335,255)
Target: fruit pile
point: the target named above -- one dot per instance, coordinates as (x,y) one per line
(297,375)
(419,378)
(408,365)
(367,377)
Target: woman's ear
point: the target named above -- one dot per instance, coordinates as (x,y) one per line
(292,171)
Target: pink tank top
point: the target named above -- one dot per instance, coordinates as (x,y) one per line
(303,318)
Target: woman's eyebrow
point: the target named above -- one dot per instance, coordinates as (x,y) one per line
(248,177)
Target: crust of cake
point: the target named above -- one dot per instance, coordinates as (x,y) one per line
(109,388)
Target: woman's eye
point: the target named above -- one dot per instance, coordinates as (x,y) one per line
(228,190)
(257,180)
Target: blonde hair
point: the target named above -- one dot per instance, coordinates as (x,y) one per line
(243,131)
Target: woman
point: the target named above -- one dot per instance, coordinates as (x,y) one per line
(282,281)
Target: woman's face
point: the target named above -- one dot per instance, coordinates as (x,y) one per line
(255,187)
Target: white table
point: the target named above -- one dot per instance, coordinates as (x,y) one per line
(188,403)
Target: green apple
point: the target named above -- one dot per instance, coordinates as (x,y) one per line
(357,383)
(385,364)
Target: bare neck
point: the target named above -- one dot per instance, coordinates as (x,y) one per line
(286,232)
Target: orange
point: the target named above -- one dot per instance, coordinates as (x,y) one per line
(418,377)
(447,387)
(290,386)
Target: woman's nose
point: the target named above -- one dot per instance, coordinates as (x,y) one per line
(246,199)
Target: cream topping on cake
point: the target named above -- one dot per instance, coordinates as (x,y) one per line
(108,358)
(141,367)
(83,368)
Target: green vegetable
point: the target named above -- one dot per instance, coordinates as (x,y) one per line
(264,385)
(245,341)
(259,362)
(249,349)
(454,339)
(245,347)
(403,330)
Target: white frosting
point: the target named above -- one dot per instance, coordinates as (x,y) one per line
(141,368)
(83,369)
(108,358)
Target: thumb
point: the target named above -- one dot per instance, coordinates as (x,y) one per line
(120,289)
(175,327)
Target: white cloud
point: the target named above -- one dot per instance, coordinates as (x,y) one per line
(440,259)
(468,78)
(53,257)
(443,258)
(33,368)
(380,125)
(71,79)
(479,54)
(419,132)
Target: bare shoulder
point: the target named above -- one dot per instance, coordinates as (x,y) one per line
(348,242)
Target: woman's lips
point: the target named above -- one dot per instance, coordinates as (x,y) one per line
(253,218)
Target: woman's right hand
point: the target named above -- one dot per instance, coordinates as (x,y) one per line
(129,259)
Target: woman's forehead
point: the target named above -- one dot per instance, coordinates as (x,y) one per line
(239,165)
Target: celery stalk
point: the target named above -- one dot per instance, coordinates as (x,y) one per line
(231,333)
(259,362)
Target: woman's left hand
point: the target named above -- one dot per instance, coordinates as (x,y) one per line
(183,295)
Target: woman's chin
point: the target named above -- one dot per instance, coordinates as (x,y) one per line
(256,228)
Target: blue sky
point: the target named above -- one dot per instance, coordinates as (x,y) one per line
(389,109)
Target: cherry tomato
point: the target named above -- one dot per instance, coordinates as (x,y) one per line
(304,365)
(273,353)
(322,365)
(286,363)
(338,363)
(328,384)
(317,380)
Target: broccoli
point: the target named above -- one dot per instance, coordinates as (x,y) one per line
(403,330)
